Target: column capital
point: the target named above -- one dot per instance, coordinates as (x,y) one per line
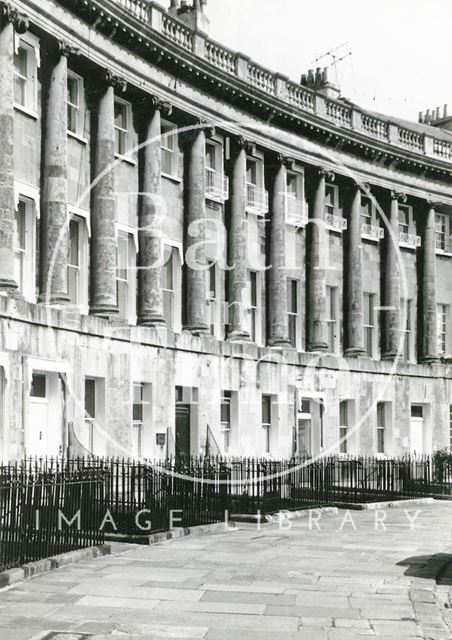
(399,196)
(241,143)
(166,108)
(19,20)
(208,127)
(117,82)
(326,173)
(285,161)
(432,204)
(66,49)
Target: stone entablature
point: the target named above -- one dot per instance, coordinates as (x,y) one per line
(347,120)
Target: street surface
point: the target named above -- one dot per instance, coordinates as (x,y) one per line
(343,578)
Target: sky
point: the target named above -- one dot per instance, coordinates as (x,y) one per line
(401,60)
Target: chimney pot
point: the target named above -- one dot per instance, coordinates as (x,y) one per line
(421,117)
(445,111)
(438,113)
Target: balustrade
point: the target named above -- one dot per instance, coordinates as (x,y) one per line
(221,57)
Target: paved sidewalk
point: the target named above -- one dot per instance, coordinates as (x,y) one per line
(274,584)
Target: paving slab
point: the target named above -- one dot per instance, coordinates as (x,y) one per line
(332,583)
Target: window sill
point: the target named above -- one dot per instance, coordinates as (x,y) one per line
(31,113)
(172,178)
(126,158)
(77,137)
(444,252)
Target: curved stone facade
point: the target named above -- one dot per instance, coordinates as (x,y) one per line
(203,256)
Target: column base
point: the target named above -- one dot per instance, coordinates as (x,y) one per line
(103,311)
(279,343)
(197,329)
(390,355)
(430,359)
(238,336)
(355,352)
(54,299)
(318,347)
(151,321)
(8,284)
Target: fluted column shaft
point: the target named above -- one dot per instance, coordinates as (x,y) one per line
(278,321)
(392,284)
(7,203)
(429,291)
(150,231)
(316,270)
(195,237)
(354,280)
(103,219)
(54,218)
(237,245)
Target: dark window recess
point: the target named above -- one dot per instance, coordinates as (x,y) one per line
(417,411)
(38,385)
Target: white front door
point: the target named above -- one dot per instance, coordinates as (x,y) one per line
(38,427)
(44,429)
(417,436)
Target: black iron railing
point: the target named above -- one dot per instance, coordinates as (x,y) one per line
(142,497)
(47,513)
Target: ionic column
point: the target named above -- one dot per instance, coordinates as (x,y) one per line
(150,221)
(392,282)
(103,204)
(54,217)
(354,280)
(277,297)
(318,236)
(429,291)
(195,301)
(237,243)
(10,20)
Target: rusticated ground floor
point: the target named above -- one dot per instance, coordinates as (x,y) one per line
(81,382)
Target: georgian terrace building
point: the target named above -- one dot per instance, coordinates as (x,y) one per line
(132,145)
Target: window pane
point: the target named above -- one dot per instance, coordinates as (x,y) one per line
(210,156)
(90,398)
(251,172)
(266,409)
(20,219)
(138,402)
(253,288)
(122,255)
(20,61)
(120,115)
(212,282)
(38,385)
(417,411)
(167,270)
(73,249)
(292,184)
(73,91)
(343,413)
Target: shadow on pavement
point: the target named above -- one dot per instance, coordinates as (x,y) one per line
(437,567)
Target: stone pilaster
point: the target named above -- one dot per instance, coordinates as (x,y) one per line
(10,20)
(103,204)
(54,217)
(392,282)
(277,298)
(354,329)
(150,220)
(429,290)
(195,257)
(237,243)
(318,235)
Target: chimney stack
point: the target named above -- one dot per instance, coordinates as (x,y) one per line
(192,15)
(435,118)
(318,81)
